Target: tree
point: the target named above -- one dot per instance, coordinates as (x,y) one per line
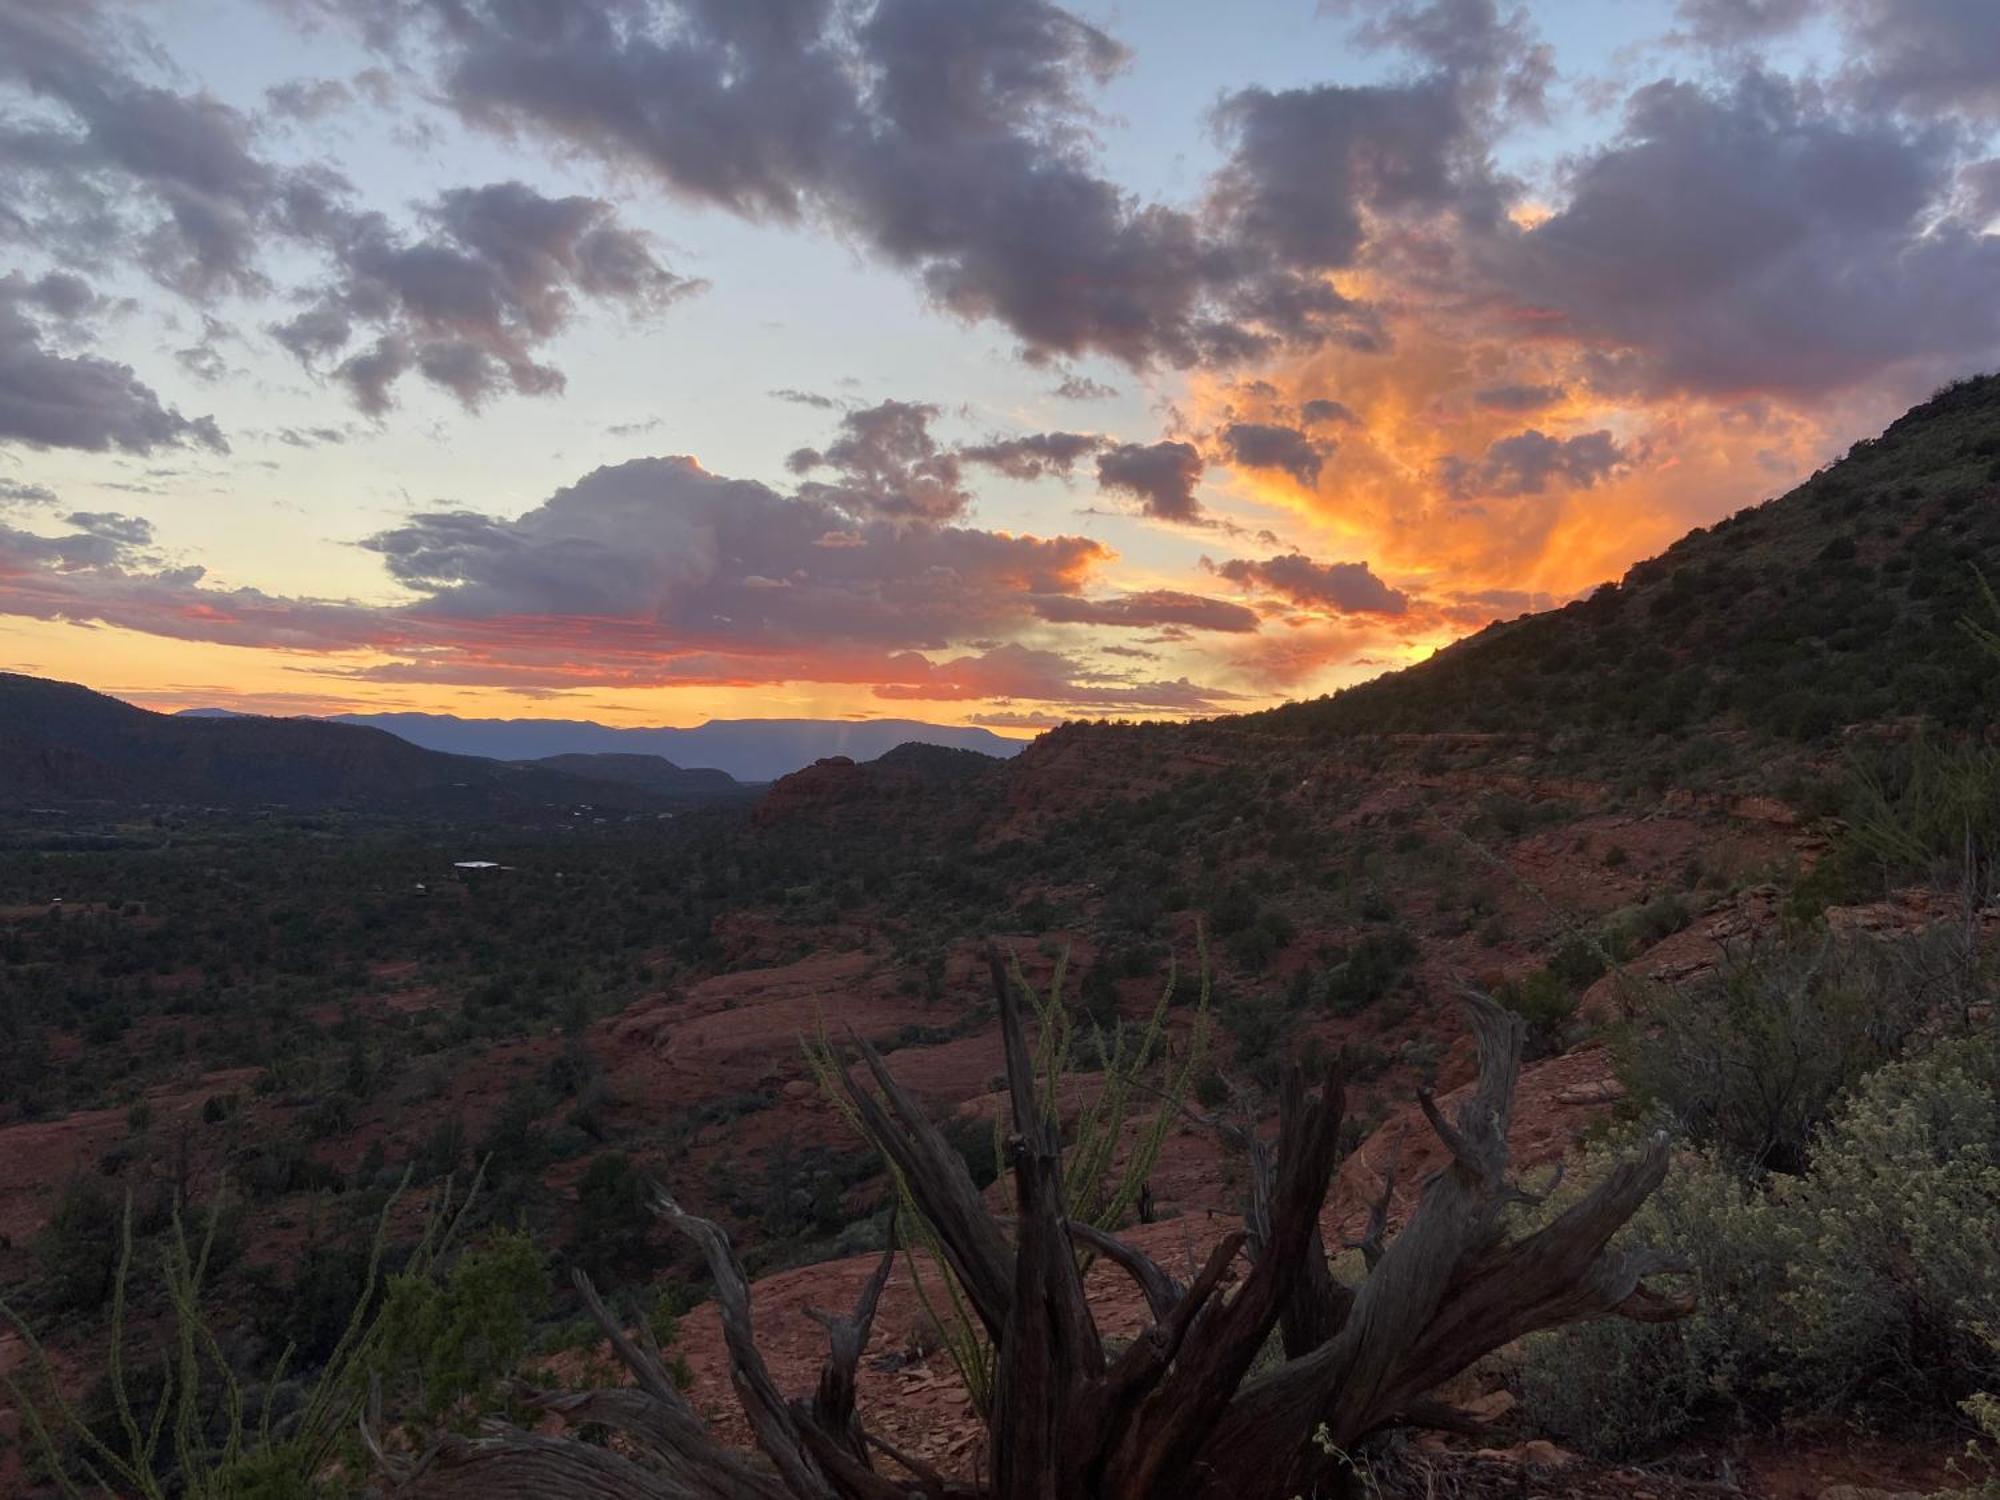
(613,1215)
(1177,1413)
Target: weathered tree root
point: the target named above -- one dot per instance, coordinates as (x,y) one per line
(1176,1413)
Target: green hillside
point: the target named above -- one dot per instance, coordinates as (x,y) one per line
(1837,604)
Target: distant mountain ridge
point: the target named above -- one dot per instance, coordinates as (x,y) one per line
(61,742)
(653,773)
(747,749)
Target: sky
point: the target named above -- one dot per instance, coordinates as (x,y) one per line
(982,361)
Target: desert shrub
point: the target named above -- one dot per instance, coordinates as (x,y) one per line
(1869,1283)
(1368,970)
(1753,1057)
(181,1419)
(1578,961)
(447,1341)
(1261,1028)
(1234,909)
(1546,1003)
(1254,946)
(1895,1233)
(614,1216)
(79,1248)
(1639,927)
(1623,1389)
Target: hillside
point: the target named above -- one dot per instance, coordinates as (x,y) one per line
(1836,604)
(652,773)
(63,742)
(747,749)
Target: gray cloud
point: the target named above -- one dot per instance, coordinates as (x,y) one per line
(19,492)
(1494,59)
(805,398)
(1349,588)
(1727,24)
(951,138)
(1528,463)
(1752,239)
(888,466)
(97,541)
(1517,397)
(1307,162)
(468,305)
(308,99)
(1014,671)
(1926,56)
(1322,410)
(113,526)
(1148,609)
(107,165)
(1161,476)
(1075,387)
(311,437)
(103,167)
(50,399)
(729,564)
(1034,455)
(1263,445)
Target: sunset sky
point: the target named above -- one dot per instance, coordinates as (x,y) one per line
(973,360)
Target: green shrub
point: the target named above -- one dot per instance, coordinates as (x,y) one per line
(79,1248)
(1753,1057)
(1896,1233)
(1617,1389)
(614,1216)
(443,1342)
(1868,1284)
(1368,971)
(1546,1003)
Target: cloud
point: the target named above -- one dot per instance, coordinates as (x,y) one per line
(1161,476)
(1263,445)
(1308,163)
(888,466)
(1075,387)
(97,540)
(18,492)
(308,100)
(1321,411)
(1014,671)
(113,526)
(1495,60)
(1034,455)
(726,564)
(105,168)
(651,572)
(1725,24)
(635,429)
(1344,587)
(467,305)
(1517,397)
(53,400)
(1148,608)
(1926,56)
(107,165)
(1750,239)
(805,398)
(311,437)
(951,138)
(1530,462)
(1015,719)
